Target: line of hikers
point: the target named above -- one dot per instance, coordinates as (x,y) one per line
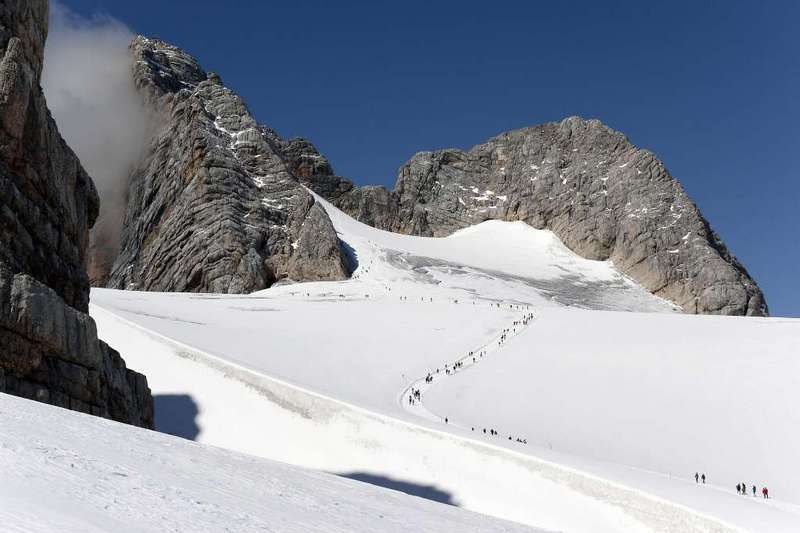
(741,488)
(421,298)
(415,395)
(494,433)
(511,306)
(451,369)
(522,322)
(525,320)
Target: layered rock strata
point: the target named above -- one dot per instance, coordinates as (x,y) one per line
(219,203)
(49,350)
(603,197)
(213,206)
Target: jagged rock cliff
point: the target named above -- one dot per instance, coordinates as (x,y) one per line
(602,196)
(49,349)
(213,207)
(217,204)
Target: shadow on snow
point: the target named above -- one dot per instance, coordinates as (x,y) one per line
(429,492)
(176,414)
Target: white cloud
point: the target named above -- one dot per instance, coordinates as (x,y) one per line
(89,88)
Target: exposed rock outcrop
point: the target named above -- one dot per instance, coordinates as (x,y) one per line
(602,196)
(218,205)
(49,349)
(213,207)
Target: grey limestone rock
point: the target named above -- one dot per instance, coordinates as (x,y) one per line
(603,197)
(49,350)
(214,207)
(219,204)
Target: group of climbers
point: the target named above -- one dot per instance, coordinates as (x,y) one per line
(414,396)
(741,488)
(494,433)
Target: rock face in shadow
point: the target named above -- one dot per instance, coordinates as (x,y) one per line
(213,206)
(602,196)
(49,350)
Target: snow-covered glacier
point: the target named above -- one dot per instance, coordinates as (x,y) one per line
(604,398)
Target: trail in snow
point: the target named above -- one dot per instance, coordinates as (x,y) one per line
(362,341)
(247,411)
(412,397)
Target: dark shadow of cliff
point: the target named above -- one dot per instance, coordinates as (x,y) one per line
(350,256)
(429,492)
(176,414)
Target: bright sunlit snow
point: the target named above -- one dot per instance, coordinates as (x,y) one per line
(618,409)
(69,472)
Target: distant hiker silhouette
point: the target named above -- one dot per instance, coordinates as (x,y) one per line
(765,492)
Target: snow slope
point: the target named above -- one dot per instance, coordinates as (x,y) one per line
(493,261)
(697,392)
(310,340)
(403,313)
(316,374)
(68,472)
(243,410)
(672,394)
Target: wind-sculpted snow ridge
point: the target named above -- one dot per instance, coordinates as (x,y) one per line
(603,197)
(213,207)
(68,473)
(334,397)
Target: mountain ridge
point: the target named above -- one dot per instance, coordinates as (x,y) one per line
(605,198)
(212,207)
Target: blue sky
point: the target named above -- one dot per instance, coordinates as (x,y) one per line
(710,87)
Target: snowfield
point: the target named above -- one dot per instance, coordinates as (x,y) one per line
(617,398)
(697,393)
(69,472)
(239,409)
(672,394)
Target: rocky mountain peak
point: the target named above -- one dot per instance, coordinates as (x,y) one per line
(220,204)
(165,66)
(214,206)
(605,198)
